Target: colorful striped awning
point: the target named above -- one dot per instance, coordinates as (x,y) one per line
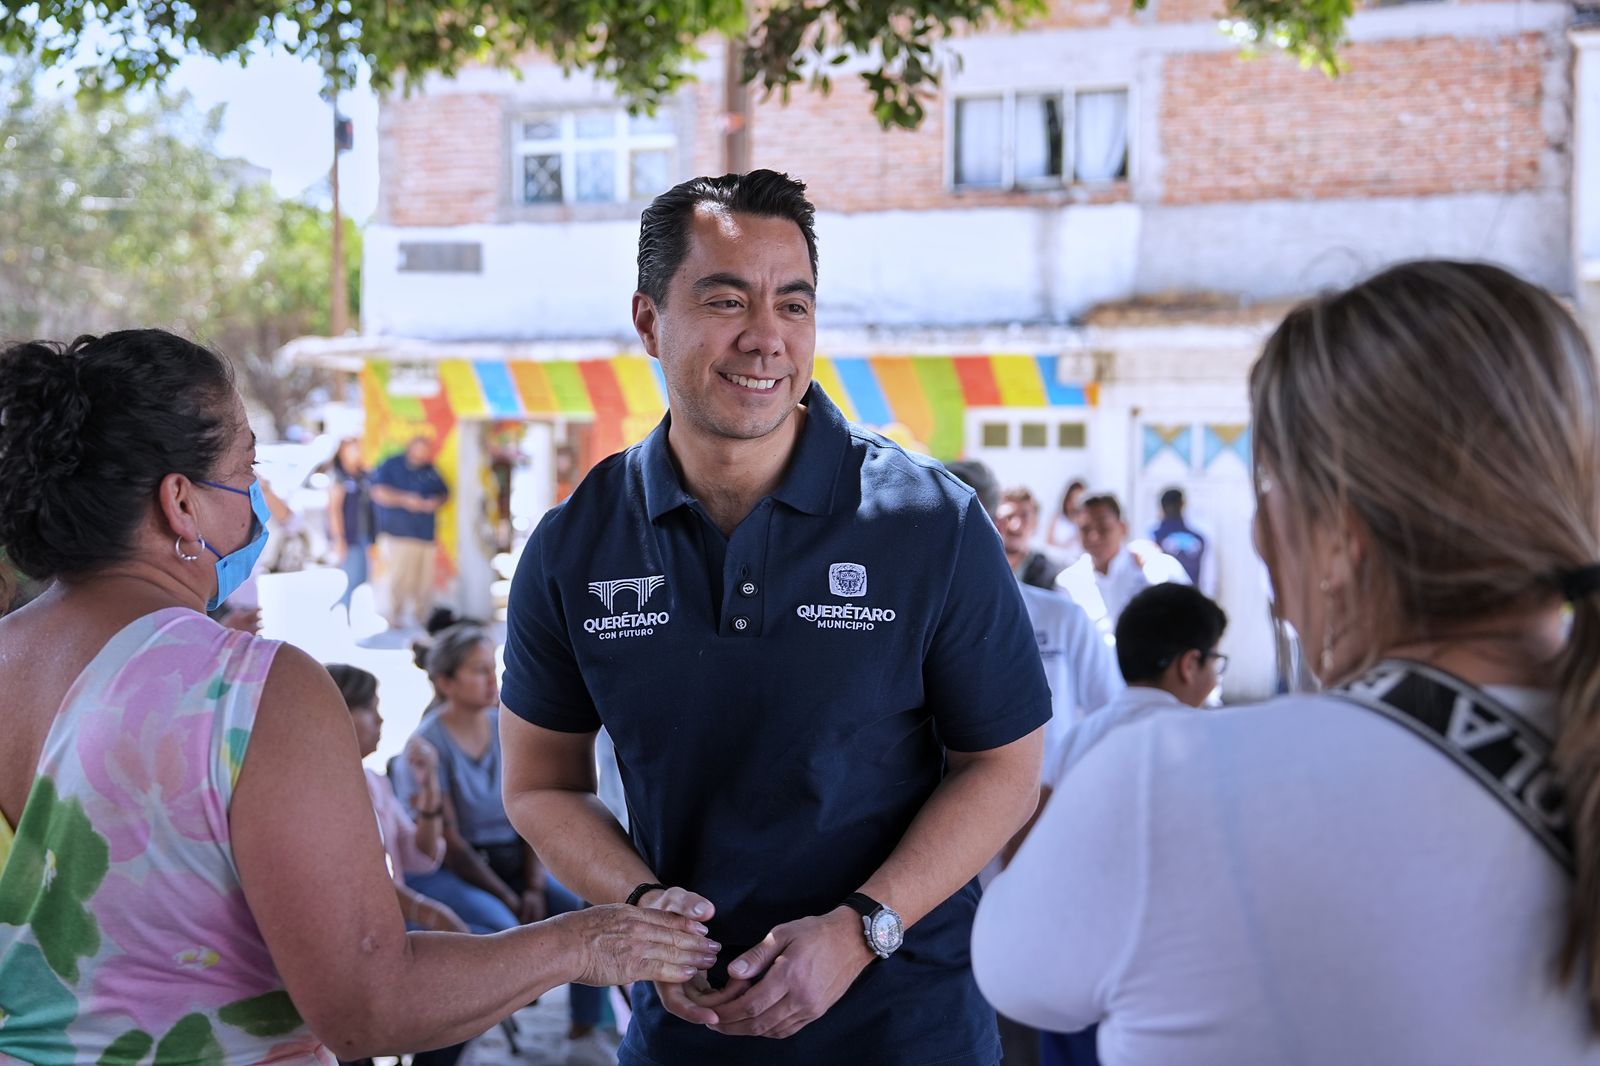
(927,394)
(921,398)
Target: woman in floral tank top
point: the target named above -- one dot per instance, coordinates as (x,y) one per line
(195,874)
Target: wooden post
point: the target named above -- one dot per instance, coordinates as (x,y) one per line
(339,298)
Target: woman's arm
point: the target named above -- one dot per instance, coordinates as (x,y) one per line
(336,518)
(463,860)
(312,868)
(427,801)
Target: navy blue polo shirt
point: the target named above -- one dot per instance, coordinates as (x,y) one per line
(396,473)
(781,701)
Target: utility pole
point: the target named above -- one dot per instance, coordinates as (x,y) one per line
(339,298)
(735,109)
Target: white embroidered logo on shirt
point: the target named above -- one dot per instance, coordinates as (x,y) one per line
(642,587)
(847,579)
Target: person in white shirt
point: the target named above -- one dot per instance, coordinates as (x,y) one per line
(1332,878)
(1082,675)
(1077,662)
(1062,536)
(1111,572)
(1167,651)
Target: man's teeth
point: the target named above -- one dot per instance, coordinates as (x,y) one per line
(751,383)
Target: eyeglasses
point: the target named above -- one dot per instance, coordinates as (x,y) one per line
(1215,656)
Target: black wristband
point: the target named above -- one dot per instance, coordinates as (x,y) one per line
(861,903)
(637,894)
(435,813)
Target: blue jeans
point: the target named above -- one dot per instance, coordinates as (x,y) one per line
(1070,1049)
(355,572)
(484,913)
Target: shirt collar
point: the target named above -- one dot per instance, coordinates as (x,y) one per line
(807,487)
(1146,697)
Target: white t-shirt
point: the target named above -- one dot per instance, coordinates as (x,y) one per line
(1131,705)
(1078,664)
(1302,882)
(1103,596)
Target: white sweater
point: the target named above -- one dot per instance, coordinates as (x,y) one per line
(1302,882)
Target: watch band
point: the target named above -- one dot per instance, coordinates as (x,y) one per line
(862,904)
(638,893)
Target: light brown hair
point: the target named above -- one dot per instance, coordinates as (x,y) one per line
(1452,410)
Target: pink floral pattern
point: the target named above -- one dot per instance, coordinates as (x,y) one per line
(211,937)
(149,742)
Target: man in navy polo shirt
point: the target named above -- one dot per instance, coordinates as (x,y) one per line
(408,492)
(821,682)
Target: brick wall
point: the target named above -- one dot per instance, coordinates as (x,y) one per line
(849,164)
(444,159)
(704,155)
(1408,118)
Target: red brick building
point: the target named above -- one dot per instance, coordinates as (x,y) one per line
(1118,195)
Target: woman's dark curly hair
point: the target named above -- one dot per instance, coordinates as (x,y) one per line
(87,432)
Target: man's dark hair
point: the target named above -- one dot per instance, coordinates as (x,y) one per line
(1160,624)
(1172,503)
(976,475)
(87,432)
(358,687)
(1106,500)
(664,226)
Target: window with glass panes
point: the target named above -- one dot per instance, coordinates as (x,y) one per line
(593,157)
(1028,139)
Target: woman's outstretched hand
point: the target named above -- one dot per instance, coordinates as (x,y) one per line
(618,944)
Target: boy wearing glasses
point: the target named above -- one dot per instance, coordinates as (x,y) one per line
(1167,651)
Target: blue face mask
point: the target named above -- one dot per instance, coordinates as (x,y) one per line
(234,568)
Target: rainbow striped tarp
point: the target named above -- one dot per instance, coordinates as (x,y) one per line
(919,399)
(626,395)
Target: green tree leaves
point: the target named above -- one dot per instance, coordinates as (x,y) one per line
(117,212)
(646,47)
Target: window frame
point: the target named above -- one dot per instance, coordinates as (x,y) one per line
(622,143)
(1067,99)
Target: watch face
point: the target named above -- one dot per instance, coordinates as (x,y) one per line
(886,930)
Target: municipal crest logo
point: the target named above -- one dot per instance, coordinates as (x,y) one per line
(624,619)
(847,579)
(641,587)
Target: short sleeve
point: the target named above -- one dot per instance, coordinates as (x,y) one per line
(1056,930)
(1099,678)
(384,475)
(543,683)
(982,676)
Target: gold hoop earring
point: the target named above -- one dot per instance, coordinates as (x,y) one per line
(177,546)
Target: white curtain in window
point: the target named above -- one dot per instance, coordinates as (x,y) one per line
(1101,147)
(979,128)
(1038,137)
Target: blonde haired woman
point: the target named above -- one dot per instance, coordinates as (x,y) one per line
(1383,872)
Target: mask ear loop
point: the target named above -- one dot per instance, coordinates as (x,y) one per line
(177,546)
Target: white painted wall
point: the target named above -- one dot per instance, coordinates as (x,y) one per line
(954,268)
(1292,247)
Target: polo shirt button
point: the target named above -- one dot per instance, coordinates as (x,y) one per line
(741,623)
(747,589)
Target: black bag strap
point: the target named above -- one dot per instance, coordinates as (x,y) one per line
(1483,736)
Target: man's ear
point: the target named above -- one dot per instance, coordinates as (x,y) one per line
(646,321)
(1188,666)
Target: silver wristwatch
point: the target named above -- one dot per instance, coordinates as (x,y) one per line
(884,930)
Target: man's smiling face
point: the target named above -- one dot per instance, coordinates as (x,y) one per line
(737,334)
